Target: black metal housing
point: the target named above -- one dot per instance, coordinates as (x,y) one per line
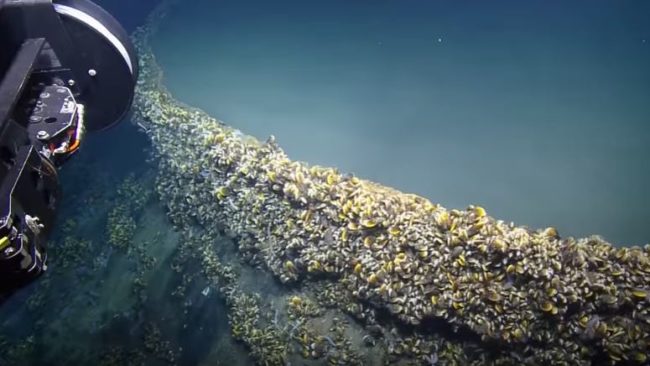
(29,184)
(85,39)
(65,65)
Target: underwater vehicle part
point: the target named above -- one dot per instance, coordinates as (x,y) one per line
(66,66)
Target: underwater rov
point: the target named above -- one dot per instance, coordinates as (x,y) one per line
(66,66)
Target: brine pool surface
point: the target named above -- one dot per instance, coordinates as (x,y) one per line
(535,110)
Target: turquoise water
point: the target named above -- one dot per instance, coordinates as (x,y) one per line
(536,110)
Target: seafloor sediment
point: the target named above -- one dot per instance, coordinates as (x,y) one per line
(428,284)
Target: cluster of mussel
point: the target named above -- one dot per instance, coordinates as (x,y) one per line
(154,344)
(539,297)
(121,225)
(267,346)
